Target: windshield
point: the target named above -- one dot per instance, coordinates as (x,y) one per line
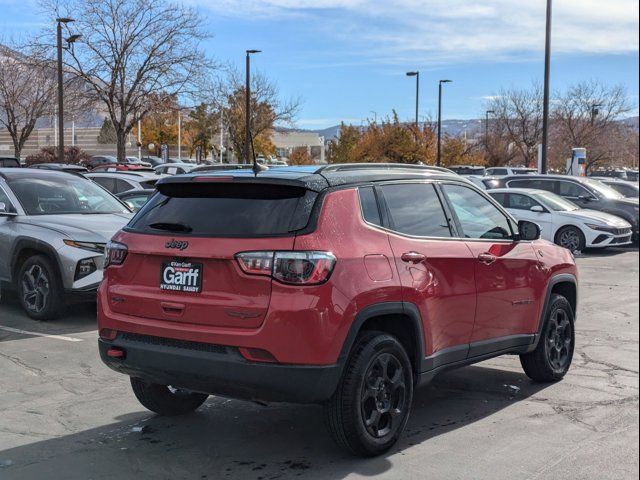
(63,195)
(555,202)
(605,190)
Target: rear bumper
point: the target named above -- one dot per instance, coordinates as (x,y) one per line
(218,370)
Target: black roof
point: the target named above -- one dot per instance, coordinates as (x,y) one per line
(43,173)
(318,178)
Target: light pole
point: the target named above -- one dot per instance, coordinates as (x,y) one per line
(545,100)
(70,40)
(440,118)
(417,75)
(247,140)
(179,134)
(139,141)
(486,127)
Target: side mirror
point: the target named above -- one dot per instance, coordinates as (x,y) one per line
(537,208)
(585,198)
(4,212)
(528,230)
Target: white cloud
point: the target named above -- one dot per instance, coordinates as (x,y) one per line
(439,31)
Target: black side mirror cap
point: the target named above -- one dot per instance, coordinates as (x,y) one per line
(528,230)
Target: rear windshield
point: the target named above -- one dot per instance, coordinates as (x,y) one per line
(226,210)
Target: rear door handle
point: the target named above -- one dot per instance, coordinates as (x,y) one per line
(487,258)
(413,257)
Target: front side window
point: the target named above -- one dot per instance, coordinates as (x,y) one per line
(518,201)
(573,190)
(415,210)
(63,195)
(478,217)
(4,198)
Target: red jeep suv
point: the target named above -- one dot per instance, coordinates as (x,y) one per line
(345,285)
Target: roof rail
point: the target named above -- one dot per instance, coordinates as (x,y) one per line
(343,167)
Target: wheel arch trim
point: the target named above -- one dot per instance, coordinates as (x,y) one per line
(369,312)
(553,281)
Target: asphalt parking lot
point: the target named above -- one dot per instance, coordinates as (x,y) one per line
(65,415)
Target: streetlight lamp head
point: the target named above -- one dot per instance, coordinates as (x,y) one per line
(412,74)
(253,51)
(64,20)
(446,81)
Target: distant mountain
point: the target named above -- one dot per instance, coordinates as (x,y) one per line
(455,128)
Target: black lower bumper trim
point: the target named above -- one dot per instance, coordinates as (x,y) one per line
(226,374)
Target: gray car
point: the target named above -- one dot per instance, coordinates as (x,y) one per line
(53,229)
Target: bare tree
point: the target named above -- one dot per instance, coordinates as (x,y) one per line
(267,110)
(132,51)
(518,114)
(27,93)
(587,115)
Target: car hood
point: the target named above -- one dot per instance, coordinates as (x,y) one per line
(595,216)
(98,228)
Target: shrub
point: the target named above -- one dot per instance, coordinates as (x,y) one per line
(74,155)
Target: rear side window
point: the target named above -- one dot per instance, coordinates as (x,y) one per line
(369,204)
(149,183)
(106,182)
(501,198)
(538,184)
(415,209)
(122,186)
(226,210)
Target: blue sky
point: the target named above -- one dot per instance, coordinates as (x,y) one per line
(346,58)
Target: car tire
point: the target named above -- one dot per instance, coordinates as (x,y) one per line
(165,400)
(551,359)
(571,238)
(370,408)
(40,288)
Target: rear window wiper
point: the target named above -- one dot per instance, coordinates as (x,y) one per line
(171,227)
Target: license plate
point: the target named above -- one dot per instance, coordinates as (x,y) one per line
(181,277)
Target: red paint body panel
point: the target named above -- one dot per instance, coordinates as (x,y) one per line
(509,289)
(459,299)
(442,287)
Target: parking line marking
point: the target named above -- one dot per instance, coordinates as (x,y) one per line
(38,334)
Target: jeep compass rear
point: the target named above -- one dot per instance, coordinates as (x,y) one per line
(343,285)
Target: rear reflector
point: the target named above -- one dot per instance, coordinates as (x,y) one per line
(257,355)
(115,352)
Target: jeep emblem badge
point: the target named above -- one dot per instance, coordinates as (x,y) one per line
(179,244)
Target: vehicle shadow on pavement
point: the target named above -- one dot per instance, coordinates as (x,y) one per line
(228,439)
(608,252)
(78,318)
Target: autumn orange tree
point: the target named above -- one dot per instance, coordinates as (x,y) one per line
(458,151)
(160,125)
(300,156)
(388,141)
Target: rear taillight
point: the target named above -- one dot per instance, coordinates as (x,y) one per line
(294,268)
(114,253)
